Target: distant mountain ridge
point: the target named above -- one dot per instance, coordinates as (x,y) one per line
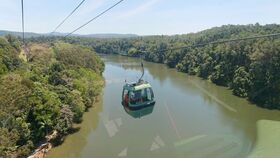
(27,34)
(32,34)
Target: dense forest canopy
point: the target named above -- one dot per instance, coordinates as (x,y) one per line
(250,68)
(44,90)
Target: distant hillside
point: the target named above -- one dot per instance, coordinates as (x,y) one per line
(27,34)
(111,35)
(31,34)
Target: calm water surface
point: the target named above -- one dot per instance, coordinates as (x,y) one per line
(192,118)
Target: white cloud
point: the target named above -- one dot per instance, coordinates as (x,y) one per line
(140,9)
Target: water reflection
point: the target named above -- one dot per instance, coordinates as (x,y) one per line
(139,113)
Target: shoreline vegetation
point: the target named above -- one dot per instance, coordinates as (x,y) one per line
(250,68)
(43,93)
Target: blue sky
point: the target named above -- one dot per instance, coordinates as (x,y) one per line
(143,17)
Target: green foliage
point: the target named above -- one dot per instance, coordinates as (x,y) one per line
(44,94)
(77,105)
(173,57)
(220,74)
(55,75)
(14,108)
(14,42)
(264,70)
(46,105)
(9,52)
(78,56)
(65,121)
(133,52)
(8,142)
(241,82)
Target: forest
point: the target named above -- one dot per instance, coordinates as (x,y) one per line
(45,89)
(250,68)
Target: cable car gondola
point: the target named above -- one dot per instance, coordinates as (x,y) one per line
(138,95)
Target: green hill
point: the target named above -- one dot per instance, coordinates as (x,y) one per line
(102,36)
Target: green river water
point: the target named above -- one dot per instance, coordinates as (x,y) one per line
(192,118)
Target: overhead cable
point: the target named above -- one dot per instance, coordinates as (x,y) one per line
(94,18)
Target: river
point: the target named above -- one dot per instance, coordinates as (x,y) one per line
(191,118)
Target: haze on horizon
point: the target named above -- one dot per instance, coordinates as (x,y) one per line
(142,17)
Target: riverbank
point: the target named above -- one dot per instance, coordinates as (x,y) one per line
(56,139)
(45,146)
